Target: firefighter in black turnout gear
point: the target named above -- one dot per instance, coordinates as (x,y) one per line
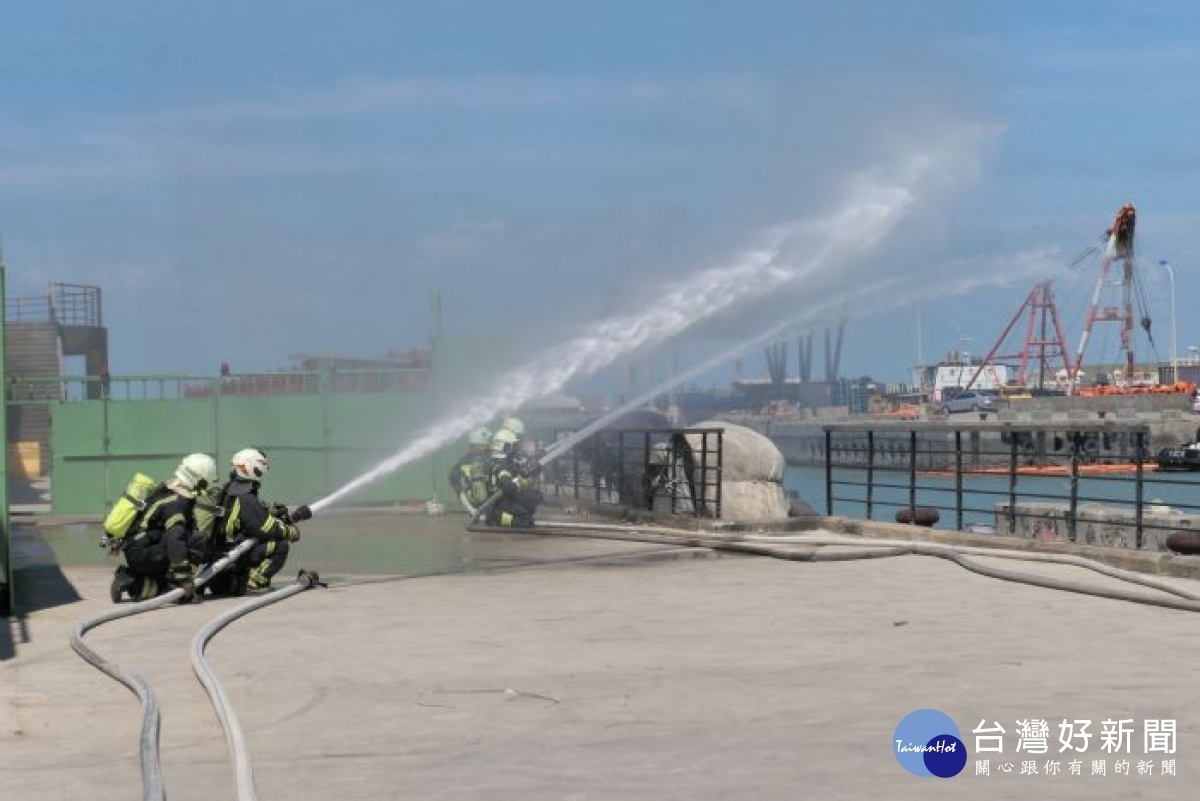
(245,516)
(166,549)
(511,477)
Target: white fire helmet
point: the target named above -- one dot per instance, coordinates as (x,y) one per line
(250,464)
(503,442)
(514,425)
(197,472)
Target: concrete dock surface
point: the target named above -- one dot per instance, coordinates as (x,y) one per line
(538,668)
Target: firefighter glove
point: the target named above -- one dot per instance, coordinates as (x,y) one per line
(183,577)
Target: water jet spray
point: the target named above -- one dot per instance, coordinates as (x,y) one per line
(790,253)
(892,293)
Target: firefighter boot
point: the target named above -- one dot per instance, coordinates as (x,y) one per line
(122,583)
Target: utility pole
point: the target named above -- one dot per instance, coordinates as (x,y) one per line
(920,339)
(1174,328)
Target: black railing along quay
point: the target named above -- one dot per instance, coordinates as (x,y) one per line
(671,470)
(1087,481)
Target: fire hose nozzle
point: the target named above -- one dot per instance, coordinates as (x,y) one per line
(301,513)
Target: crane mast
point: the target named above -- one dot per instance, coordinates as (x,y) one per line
(1117,307)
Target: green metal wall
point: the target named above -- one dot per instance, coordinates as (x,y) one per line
(6,568)
(317,442)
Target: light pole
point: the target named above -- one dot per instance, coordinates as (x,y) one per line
(1174,329)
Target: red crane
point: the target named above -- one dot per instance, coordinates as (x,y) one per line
(1044,339)
(1118,304)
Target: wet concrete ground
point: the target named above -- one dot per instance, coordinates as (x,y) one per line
(586,669)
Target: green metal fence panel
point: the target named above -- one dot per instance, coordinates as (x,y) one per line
(386,421)
(168,428)
(271,423)
(316,442)
(366,429)
(81,473)
(414,482)
(98,445)
(80,432)
(288,429)
(86,486)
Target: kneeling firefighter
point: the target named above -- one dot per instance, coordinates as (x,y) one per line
(520,459)
(165,549)
(469,475)
(512,478)
(245,516)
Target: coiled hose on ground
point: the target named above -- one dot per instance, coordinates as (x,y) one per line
(153,788)
(243,774)
(810,548)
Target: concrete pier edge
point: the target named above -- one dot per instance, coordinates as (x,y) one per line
(1152,562)
(1155,562)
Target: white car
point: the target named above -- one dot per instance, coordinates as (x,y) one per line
(970,401)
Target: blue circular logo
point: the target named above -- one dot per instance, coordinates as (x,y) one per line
(926,743)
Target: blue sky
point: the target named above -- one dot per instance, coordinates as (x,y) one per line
(248,181)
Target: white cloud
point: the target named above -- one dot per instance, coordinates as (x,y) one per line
(236,137)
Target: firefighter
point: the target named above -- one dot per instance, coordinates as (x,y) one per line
(167,549)
(511,478)
(244,515)
(469,476)
(522,459)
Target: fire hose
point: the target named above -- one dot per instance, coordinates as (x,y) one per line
(865,549)
(152,782)
(813,548)
(242,772)
(871,548)
(153,788)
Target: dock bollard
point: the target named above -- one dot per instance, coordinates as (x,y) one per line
(920,516)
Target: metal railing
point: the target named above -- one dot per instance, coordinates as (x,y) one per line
(28,310)
(64,304)
(76,304)
(66,389)
(1099,484)
(675,471)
